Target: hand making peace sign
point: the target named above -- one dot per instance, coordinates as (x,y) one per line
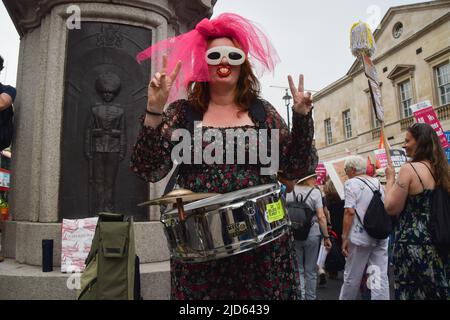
(160,86)
(302,101)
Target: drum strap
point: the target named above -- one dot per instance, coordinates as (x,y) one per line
(306,198)
(171,183)
(256,112)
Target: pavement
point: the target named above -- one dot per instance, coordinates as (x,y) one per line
(332,289)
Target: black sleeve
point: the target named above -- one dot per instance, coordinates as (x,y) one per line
(10,91)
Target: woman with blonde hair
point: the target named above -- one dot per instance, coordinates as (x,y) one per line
(308,249)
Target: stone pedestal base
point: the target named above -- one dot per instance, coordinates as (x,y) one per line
(25,282)
(23,241)
(21,275)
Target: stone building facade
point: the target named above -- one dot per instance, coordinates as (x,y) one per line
(413,64)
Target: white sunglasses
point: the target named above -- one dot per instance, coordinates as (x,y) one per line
(235,56)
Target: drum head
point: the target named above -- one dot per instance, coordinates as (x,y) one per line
(227,198)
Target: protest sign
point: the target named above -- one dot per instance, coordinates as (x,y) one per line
(76,243)
(447,151)
(336,172)
(424,113)
(321,172)
(398,158)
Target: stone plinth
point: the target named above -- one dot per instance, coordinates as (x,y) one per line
(25,282)
(23,240)
(37,146)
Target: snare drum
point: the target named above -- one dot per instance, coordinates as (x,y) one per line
(227,224)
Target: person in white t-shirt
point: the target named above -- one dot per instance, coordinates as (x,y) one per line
(308,250)
(358,247)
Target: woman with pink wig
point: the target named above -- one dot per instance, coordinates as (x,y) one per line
(213,64)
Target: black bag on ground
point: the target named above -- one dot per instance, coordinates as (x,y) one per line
(301,216)
(377,223)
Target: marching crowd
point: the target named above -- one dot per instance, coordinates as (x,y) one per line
(401,219)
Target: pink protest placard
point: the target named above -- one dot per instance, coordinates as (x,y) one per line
(321,172)
(380,156)
(398,158)
(76,243)
(424,113)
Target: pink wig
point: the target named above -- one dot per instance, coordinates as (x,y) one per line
(190,48)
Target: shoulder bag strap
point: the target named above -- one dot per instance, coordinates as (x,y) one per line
(308,194)
(363,180)
(430,172)
(423,186)
(191,116)
(258,112)
(357,215)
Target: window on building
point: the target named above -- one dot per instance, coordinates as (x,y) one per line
(328,132)
(347,124)
(375,122)
(443,81)
(398,30)
(405,98)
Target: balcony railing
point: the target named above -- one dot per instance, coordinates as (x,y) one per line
(376,133)
(443,112)
(406,123)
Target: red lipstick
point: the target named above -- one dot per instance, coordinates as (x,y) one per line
(223,71)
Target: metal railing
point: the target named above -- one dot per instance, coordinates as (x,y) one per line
(376,133)
(406,123)
(443,112)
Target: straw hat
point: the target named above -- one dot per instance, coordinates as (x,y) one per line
(306,177)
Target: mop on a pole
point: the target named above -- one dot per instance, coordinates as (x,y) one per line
(363,47)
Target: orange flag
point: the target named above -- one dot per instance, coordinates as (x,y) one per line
(381,144)
(370,168)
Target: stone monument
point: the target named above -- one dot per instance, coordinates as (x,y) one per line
(80,94)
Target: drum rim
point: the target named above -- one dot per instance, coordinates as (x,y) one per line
(173,213)
(193,258)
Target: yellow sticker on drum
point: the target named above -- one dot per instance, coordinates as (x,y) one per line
(274,211)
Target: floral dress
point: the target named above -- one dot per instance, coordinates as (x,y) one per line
(266,272)
(419,271)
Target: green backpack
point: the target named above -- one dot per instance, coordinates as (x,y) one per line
(112,267)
